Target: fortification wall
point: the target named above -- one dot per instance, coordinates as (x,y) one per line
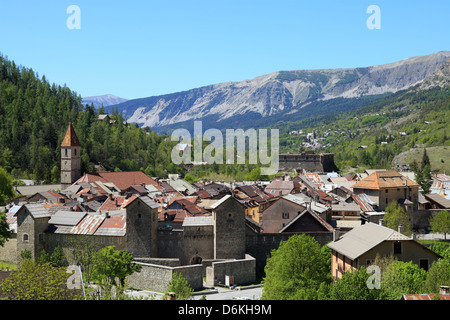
(155,277)
(242,271)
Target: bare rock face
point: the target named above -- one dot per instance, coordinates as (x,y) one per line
(281,91)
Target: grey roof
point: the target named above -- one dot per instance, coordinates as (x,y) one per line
(67,218)
(304,200)
(300,200)
(345,207)
(30,190)
(439,200)
(150,202)
(363,238)
(198,221)
(36,210)
(181,185)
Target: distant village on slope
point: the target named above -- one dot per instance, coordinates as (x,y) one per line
(211,229)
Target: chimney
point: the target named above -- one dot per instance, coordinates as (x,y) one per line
(444,290)
(400,228)
(335,234)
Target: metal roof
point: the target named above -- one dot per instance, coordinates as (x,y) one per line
(67,218)
(198,221)
(88,225)
(363,238)
(36,210)
(150,202)
(364,202)
(112,226)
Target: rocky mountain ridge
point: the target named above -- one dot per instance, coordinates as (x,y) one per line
(280,92)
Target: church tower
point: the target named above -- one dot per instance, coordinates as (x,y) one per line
(70,158)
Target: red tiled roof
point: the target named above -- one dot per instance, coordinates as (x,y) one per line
(70,139)
(384,179)
(116,203)
(122,180)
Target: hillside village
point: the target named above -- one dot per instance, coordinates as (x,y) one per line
(214,230)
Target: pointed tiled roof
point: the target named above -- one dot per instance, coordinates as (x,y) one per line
(70,139)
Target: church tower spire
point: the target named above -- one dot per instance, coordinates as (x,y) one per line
(70,158)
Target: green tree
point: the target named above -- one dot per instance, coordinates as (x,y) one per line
(425,179)
(402,278)
(353,286)
(44,257)
(180,286)
(440,223)
(425,160)
(254,175)
(6,187)
(58,259)
(296,269)
(438,275)
(396,215)
(5,232)
(112,265)
(36,281)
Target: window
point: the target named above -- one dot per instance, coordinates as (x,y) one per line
(65,152)
(423,263)
(285,215)
(25,237)
(397,247)
(75,151)
(386,191)
(41,237)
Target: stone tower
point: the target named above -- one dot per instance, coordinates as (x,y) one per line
(229,228)
(142,227)
(70,158)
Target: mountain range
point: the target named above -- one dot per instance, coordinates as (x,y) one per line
(105,100)
(280,96)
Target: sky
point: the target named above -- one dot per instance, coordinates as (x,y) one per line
(141,48)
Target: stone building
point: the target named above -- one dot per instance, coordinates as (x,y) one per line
(307,161)
(383,187)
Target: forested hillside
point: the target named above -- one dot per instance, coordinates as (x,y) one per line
(373,135)
(34,115)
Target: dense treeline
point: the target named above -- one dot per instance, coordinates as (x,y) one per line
(34,115)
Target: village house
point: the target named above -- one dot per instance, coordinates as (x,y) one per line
(255,200)
(383,187)
(284,210)
(361,245)
(282,187)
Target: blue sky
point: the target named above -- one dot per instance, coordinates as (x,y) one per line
(135,49)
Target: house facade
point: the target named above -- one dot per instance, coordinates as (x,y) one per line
(360,246)
(383,187)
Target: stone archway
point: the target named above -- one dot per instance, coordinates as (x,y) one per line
(196,259)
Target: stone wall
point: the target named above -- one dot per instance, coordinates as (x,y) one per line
(242,271)
(311,162)
(155,277)
(420,219)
